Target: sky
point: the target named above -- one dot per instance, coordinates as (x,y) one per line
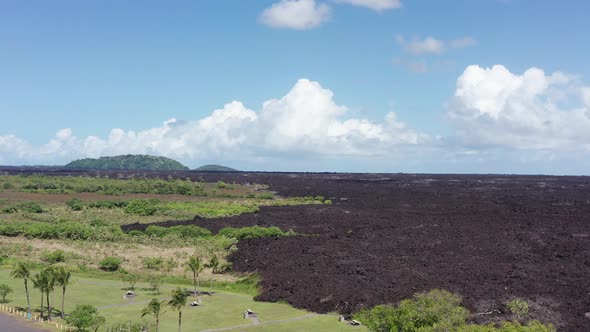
(450,86)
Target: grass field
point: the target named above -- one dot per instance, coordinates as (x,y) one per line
(80,217)
(222,310)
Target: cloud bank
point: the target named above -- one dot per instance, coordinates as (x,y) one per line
(493,112)
(306,121)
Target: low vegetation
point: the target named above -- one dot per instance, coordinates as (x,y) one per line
(437,310)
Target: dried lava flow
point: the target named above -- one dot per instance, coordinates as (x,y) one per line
(488,238)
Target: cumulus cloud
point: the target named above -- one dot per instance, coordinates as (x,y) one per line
(296,14)
(495,107)
(376,5)
(306,121)
(431,45)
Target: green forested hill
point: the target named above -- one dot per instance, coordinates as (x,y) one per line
(137,162)
(215,168)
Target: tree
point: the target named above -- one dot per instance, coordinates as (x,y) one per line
(23,271)
(177,302)
(62,278)
(39,283)
(195,265)
(214,263)
(85,317)
(48,277)
(132,279)
(154,308)
(155,282)
(4,291)
(110,264)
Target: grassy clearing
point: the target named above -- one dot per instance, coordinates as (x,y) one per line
(223,309)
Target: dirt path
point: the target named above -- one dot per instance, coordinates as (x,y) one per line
(9,323)
(258,322)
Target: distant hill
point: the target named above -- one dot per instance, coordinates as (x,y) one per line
(130,162)
(215,168)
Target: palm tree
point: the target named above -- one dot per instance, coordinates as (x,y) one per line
(154,308)
(195,265)
(214,263)
(62,278)
(39,282)
(49,279)
(23,271)
(177,302)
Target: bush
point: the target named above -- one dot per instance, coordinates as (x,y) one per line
(135,233)
(85,317)
(30,207)
(184,232)
(4,291)
(108,204)
(518,307)
(75,204)
(7,185)
(52,257)
(252,232)
(266,196)
(437,308)
(10,209)
(153,263)
(221,184)
(142,207)
(110,263)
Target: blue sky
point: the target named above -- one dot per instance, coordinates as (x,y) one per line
(90,78)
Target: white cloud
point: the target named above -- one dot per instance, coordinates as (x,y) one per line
(494,107)
(296,14)
(376,5)
(462,42)
(428,45)
(306,120)
(431,45)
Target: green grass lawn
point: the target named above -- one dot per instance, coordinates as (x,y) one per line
(223,309)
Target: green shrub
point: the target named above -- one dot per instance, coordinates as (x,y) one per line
(85,317)
(7,185)
(221,184)
(10,209)
(153,263)
(436,309)
(142,207)
(184,232)
(4,291)
(108,204)
(110,263)
(518,307)
(135,233)
(99,223)
(30,207)
(52,257)
(252,232)
(75,204)
(266,196)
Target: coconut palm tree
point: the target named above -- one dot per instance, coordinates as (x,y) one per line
(177,302)
(49,285)
(214,263)
(154,308)
(39,283)
(62,278)
(195,265)
(23,271)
